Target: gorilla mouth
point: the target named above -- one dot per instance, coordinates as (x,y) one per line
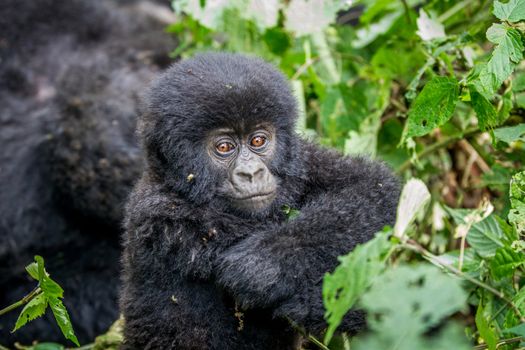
(255,196)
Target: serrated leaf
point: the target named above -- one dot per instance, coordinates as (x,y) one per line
(512,11)
(351,278)
(405,302)
(511,134)
(505,56)
(505,262)
(63,320)
(35,308)
(485,331)
(485,237)
(517,202)
(433,107)
(485,111)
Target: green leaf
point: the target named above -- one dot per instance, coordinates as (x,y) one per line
(63,320)
(505,262)
(485,331)
(485,111)
(351,278)
(51,289)
(406,302)
(35,308)
(512,11)
(290,212)
(505,56)
(485,237)
(518,330)
(40,266)
(433,107)
(517,202)
(511,134)
(32,270)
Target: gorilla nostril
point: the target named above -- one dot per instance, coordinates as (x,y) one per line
(258,173)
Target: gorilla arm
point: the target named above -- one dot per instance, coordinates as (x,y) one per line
(348,201)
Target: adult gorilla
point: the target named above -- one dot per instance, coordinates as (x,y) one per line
(70,75)
(206,234)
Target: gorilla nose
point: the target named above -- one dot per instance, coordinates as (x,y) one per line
(249,173)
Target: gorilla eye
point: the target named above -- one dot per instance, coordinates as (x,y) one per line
(225,148)
(258,141)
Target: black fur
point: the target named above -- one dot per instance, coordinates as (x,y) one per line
(70,75)
(191,261)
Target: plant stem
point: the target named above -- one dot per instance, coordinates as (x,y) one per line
(3,348)
(414,246)
(443,143)
(453,10)
(500,343)
(22,301)
(304,333)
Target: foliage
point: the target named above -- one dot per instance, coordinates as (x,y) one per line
(437,90)
(47,294)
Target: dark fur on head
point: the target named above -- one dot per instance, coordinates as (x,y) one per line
(211,91)
(190,264)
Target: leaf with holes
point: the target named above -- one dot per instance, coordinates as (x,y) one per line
(351,278)
(433,107)
(405,303)
(34,309)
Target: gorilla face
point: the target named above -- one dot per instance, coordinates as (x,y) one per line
(243,160)
(219,129)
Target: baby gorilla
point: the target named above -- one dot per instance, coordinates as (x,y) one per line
(211,261)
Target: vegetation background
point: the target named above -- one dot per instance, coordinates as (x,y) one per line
(437,90)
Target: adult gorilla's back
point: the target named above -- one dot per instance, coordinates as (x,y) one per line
(69,82)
